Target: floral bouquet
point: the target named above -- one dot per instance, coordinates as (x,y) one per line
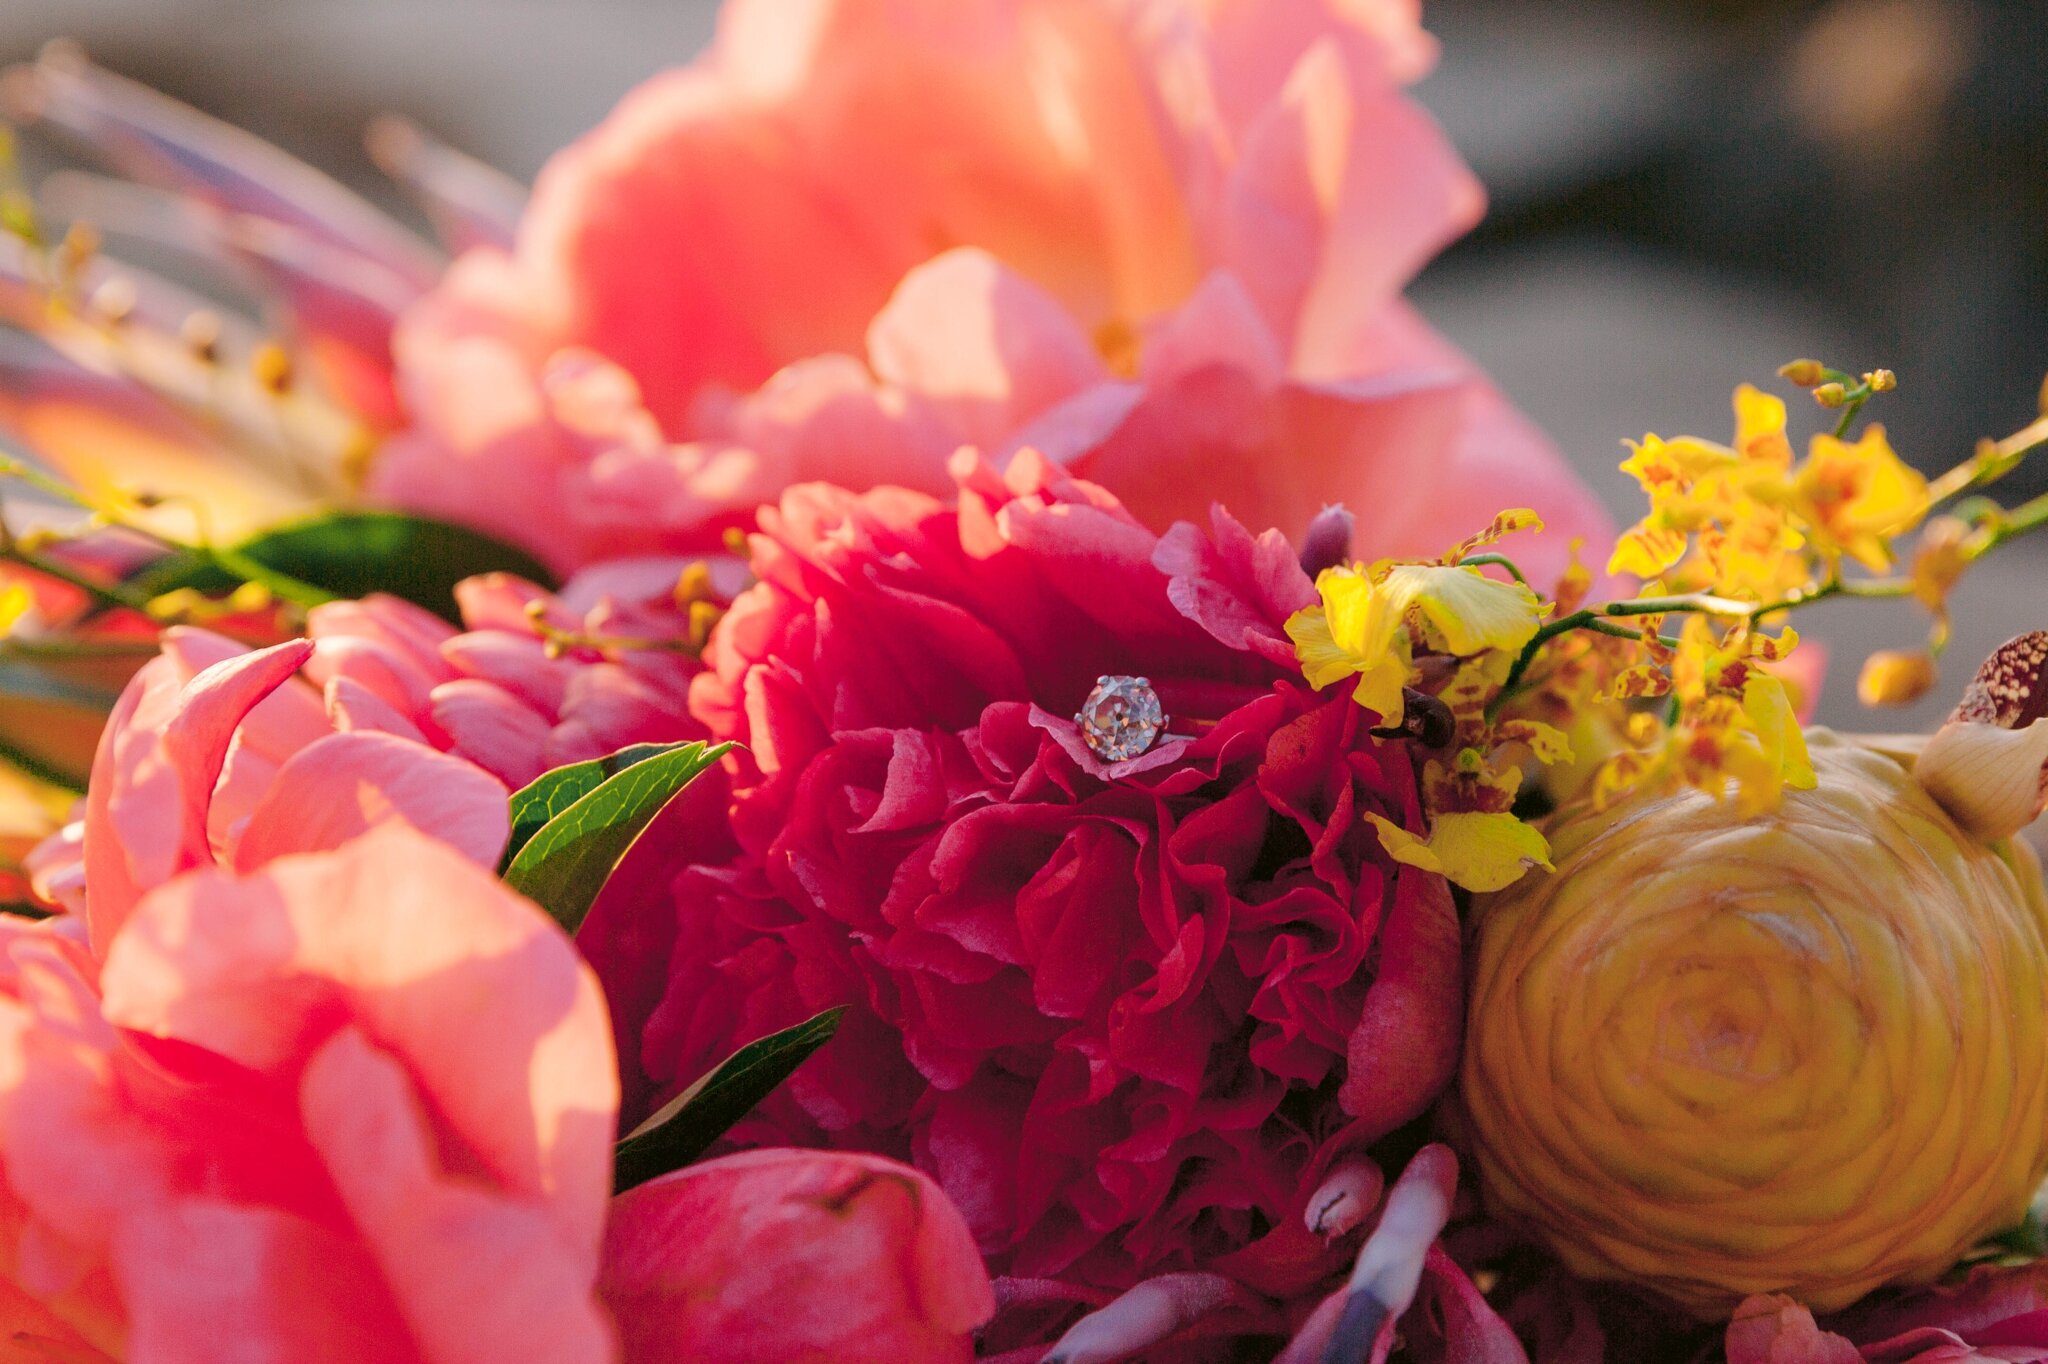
(911,717)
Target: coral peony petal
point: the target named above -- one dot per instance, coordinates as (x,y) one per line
(495,1018)
(345,784)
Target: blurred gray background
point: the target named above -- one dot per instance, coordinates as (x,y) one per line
(1686,193)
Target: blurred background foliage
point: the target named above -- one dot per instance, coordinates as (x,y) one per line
(1686,193)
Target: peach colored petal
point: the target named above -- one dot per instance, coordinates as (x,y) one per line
(811,174)
(153,778)
(345,784)
(1219,325)
(479,1278)
(492,728)
(984,346)
(435,961)
(352,707)
(827,416)
(206,1281)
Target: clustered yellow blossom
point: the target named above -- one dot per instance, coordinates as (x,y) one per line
(1731,727)
(1760,526)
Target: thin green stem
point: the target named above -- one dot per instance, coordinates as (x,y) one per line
(16,647)
(107,596)
(1849,411)
(1594,617)
(2027,516)
(1498,561)
(230,561)
(281,585)
(1992,461)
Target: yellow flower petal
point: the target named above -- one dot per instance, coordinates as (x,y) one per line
(1760,427)
(1769,708)
(1479,852)
(15,602)
(1471,611)
(1645,550)
(1379,689)
(1322,662)
(1859,496)
(1356,630)
(1546,743)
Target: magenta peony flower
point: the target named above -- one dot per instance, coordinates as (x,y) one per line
(356,1105)
(1162,242)
(1127,1015)
(793,1255)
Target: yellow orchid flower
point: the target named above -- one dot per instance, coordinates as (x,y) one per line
(1355,630)
(1858,496)
(1367,622)
(1733,500)
(1463,609)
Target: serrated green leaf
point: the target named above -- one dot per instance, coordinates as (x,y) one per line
(552,792)
(356,553)
(687,1125)
(564,865)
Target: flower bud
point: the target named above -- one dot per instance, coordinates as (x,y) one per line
(1802,1053)
(1896,677)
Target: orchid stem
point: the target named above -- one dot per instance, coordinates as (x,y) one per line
(1497,561)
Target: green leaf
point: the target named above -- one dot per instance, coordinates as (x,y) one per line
(687,1125)
(554,791)
(353,554)
(564,865)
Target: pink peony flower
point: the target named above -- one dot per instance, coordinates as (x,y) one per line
(1127,1016)
(217,754)
(305,1082)
(354,1105)
(793,1255)
(1162,242)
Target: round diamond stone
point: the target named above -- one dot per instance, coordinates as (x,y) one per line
(1121,718)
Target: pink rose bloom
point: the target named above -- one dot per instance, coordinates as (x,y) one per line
(355,1105)
(1163,243)
(789,1256)
(1127,1017)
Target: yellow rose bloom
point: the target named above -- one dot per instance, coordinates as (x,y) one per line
(1801,1052)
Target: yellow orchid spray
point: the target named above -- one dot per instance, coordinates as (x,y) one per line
(1596,697)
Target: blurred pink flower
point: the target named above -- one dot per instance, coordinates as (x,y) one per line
(1127,1016)
(355,1105)
(273,411)
(1161,240)
(779,1255)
